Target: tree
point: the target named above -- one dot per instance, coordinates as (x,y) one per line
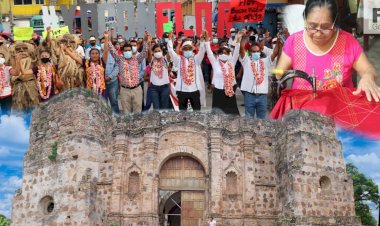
(365,190)
(4,221)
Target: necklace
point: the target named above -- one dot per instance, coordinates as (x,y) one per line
(259,76)
(228,78)
(44,81)
(187,75)
(95,77)
(2,78)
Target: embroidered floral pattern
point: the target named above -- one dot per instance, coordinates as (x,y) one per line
(158,67)
(259,75)
(95,77)
(44,81)
(229,77)
(2,79)
(187,74)
(131,72)
(333,78)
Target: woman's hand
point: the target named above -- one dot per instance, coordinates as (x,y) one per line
(368,85)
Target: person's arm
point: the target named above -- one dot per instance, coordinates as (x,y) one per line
(146,76)
(202,50)
(26,72)
(17,69)
(111,49)
(105,52)
(367,82)
(112,34)
(143,54)
(173,55)
(210,54)
(242,47)
(277,50)
(74,56)
(235,54)
(284,63)
(240,73)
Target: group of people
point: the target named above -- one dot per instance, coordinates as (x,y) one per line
(116,68)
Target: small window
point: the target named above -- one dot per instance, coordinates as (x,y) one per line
(324,183)
(134,183)
(231,183)
(39,2)
(47,204)
(22,2)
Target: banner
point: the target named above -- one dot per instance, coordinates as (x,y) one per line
(49,17)
(57,32)
(168,27)
(22,33)
(247,10)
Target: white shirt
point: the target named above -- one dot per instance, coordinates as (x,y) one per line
(269,52)
(197,84)
(212,223)
(80,51)
(7,91)
(248,83)
(218,77)
(155,80)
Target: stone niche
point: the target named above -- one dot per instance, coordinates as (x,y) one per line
(182,168)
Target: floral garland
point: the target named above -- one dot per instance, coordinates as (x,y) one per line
(259,76)
(187,75)
(229,77)
(131,72)
(95,77)
(44,81)
(2,79)
(158,67)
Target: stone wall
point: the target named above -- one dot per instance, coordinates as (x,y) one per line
(107,169)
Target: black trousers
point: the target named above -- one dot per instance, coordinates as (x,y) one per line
(227,104)
(184,97)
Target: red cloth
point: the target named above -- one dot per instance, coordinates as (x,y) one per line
(351,112)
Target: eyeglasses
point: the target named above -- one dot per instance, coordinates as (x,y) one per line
(312,28)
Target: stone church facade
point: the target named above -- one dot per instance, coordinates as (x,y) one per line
(179,169)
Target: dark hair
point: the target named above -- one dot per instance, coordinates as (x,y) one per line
(220,50)
(126,45)
(156,46)
(45,51)
(93,50)
(114,43)
(133,40)
(180,33)
(331,5)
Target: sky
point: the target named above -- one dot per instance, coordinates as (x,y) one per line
(14,140)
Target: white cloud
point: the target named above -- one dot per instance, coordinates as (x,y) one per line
(369,158)
(13,129)
(6,205)
(10,185)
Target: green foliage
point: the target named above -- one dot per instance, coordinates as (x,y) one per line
(4,221)
(365,190)
(113,225)
(53,155)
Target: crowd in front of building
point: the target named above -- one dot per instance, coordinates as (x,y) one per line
(179,71)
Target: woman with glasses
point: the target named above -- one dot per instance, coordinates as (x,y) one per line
(331,53)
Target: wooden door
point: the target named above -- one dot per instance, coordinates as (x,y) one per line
(192,208)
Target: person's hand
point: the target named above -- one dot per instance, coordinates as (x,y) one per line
(239,36)
(48,29)
(108,79)
(205,35)
(18,57)
(171,36)
(105,35)
(368,85)
(147,37)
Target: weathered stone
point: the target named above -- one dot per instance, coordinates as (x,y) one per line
(129,169)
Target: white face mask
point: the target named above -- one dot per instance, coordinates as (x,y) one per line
(134,49)
(224,57)
(157,55)
(2,61)
(166,40)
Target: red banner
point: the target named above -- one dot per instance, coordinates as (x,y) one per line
(351,112)
(247,10)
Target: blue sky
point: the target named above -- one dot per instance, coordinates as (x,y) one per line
(14,140)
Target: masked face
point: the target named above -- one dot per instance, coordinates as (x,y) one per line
(127,54)
(120,40)
(92,43)
(134,49)
(188,53)
(224,57)
(102,46)
(45,60)
(256,56)
(2,60)
(157,55)
(215,40)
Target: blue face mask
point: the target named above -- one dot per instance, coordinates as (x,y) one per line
(188,54)
(120,40)
(127,54)
(256,56)
(134,49)
(102,45)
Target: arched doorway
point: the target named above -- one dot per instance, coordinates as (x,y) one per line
(183,179)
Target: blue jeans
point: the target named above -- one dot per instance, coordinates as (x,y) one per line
(160,96)
(255,104)
(112,91)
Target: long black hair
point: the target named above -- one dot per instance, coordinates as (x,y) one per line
(331,5)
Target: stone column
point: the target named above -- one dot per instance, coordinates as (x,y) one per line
(119,156)
(149,186)
(249,188)
(216,172)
